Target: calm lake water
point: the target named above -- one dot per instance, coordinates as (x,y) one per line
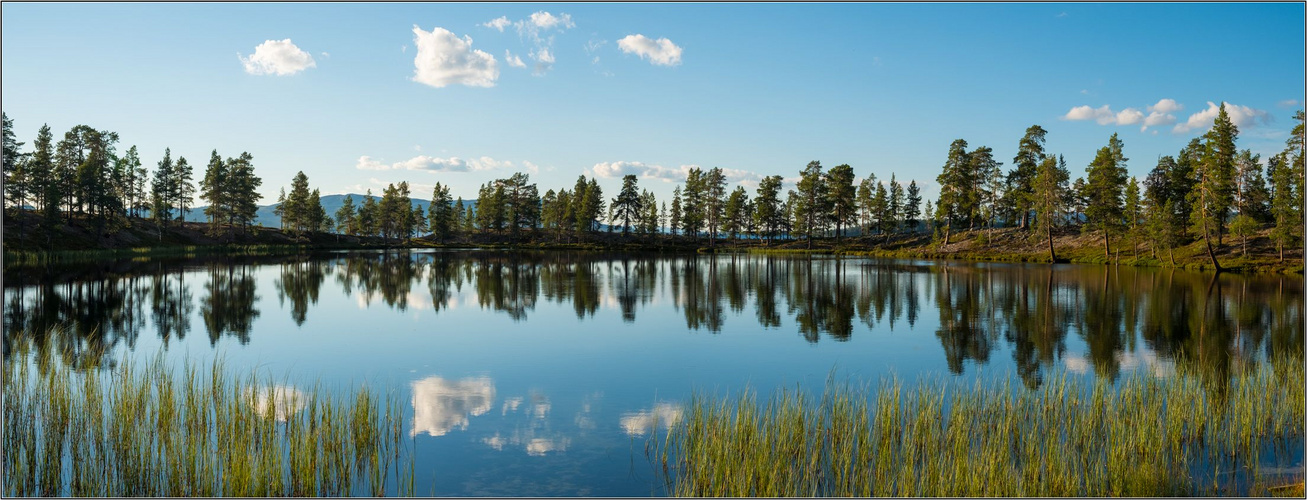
(544,373)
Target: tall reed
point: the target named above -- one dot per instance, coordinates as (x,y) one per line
(149,431)
(1149,436)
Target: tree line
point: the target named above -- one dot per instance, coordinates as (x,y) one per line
(84,175)
(1209,190)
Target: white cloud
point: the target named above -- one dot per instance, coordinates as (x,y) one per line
(1288,103)
(499,23)
(277,57)
(1129,116)
(513,60)
(1165,106)
(544,60)
(435,164)
(1103,115)
(618,169)
(285,401)
(531,167)
(661,52)
(440,405)
(592,47)
(545,20)
(1241,116)
(445,59)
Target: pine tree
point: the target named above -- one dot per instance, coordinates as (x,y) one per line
(297,211)
(736,212)
(441,214)
(896,204)
(768,214)
(865,193)
(841,197)
(367,218)
(912,206)
(1021,180)
(184,189)
(15,174)
(714,204)
(163,187)
(347,217)
(1213,189)
(213,189)
(1049,187)
(1133,212)
(954,188)
(1104,178)
(626,205)
(812,201)
(675,215)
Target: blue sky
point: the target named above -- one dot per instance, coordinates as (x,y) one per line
(407,91)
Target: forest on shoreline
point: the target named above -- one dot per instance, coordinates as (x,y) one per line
(1211,206)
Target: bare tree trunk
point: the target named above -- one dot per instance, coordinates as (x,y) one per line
(1207,239)
(1052,256)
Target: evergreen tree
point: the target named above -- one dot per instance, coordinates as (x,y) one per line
(134,176)
(44,188)
(1251,195)
(736,212)
(865,193)
(692,200)
(347,217)
(459,226)
(1288,215)
(1049,188)
(1133,212)
(1105,177)
(714,202)
(842,197)
(16,183)
(768,213)
(317,216)
(1021,180)
(880,208)
(986,176)
(163,187)
(649,221)
(626,205)
(213,189)
(184,188)
(1213,190)
(419,221)
(954,188)
(912,206)
(895,213)
(675,215)
(367,218)
(441,213)
(280,209)
(297,211)
(811,202)
(242,191)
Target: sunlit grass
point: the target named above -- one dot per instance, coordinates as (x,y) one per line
(1149,436)
(150,431)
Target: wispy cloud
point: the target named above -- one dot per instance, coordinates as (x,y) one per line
(445,59)
(513,60)
(618,169)
(498,23)
(1288,103)
(277,57)
(434,164)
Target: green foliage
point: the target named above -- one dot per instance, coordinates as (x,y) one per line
(768,213)
(626,206)
(812,201)
(1104,179)
(842,197)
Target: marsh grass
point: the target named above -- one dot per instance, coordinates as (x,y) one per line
(1147,436)
(148,430)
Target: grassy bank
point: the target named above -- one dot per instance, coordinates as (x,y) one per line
(147,431)
(1151,437)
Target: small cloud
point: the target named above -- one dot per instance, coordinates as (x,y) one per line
(531,167)
(545,20)
(1241,116)
(1061,14)
(544,60)
(1129,116)
(277,57)
(326,55)
(513,60)
(434,164)
(1084,91)
(1288,103)
(1103,115)
(498,23)
(1165,106)
(417,148)
(445,59)
(661,52)
(592,47)
(618,169)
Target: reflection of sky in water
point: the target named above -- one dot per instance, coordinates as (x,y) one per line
(645,421)
(285,399)
(440,405)
(579,387)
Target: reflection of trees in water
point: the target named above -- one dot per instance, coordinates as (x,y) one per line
(228,305)
(1218,324)
(299,282)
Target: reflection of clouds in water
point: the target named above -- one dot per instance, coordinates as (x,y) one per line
(583,420)
(511,404)
(1128,361)
(440,405)
(287,400)
(537,447)
(497,442)
(540,406)
(644,421)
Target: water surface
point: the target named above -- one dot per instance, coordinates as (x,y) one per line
(543,373)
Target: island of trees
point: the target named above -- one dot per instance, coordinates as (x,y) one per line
(1210,195)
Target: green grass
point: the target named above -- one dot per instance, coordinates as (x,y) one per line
(149,431)
(1150,436)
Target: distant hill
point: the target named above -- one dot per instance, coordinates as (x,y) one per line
(330,203)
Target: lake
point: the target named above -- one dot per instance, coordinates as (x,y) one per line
(544,373)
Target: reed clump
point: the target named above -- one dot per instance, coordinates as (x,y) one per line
(1145,436)
(145,430)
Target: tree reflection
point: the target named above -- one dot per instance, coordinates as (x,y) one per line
(1216,324)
